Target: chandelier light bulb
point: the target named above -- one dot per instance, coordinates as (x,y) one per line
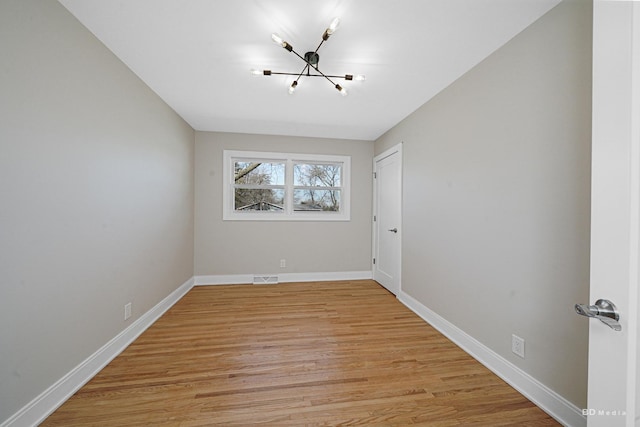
(342,90)
(359,77)
(331,29)
(277,39)
(333,26)
(293,86)
(255,72)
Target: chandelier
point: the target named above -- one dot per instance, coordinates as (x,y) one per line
(310,60)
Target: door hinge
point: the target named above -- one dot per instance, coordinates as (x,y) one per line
(375,175)
(374,218)
(374,261)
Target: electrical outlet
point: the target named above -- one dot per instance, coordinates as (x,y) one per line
(127,311)
(283,263)
(517,345)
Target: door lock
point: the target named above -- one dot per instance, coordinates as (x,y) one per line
(393,230)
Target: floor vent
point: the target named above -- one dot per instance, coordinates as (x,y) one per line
(265,280)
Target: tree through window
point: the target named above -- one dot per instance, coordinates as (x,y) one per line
(316,187)
(259,186)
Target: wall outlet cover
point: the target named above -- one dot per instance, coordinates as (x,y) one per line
(517,345)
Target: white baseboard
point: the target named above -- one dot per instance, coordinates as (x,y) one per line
(236,279)
(549,401)
(228,279)
(48,401)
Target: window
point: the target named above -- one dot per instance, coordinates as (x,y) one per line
(285,186)
(258,185)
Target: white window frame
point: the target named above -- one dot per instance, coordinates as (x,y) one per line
(288,214)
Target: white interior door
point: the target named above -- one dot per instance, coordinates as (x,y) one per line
(615,213)
(387,227)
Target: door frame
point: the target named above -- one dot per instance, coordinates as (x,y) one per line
(374,234)
(613,384)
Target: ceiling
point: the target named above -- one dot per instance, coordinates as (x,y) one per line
(196,55)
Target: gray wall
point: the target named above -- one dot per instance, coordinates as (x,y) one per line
(497,198)
(96,180)
(255,247)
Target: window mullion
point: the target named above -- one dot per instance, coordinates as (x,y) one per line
(258,187)
(288,183)
(316,187)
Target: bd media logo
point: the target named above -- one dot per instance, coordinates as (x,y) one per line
(603,413)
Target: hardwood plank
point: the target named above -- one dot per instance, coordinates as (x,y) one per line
(318,353)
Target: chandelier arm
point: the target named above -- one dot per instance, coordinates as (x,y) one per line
(308,75)
(306,67)
(283,74)
(301,57)
(330,81)
(316,51)
(328,75)
(322,74)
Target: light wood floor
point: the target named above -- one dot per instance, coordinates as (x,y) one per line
(303,354)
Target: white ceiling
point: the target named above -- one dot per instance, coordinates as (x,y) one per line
(196,55)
